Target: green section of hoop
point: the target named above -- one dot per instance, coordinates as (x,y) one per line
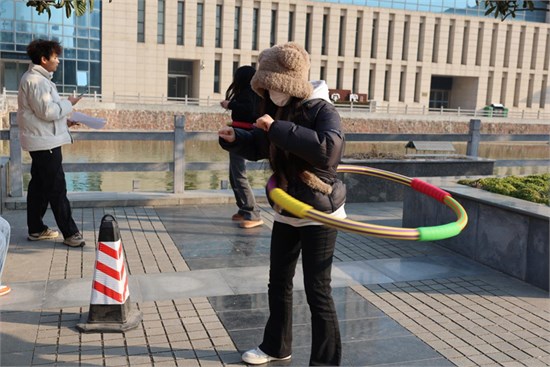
(438,232)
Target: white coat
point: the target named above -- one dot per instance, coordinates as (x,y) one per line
(41,113)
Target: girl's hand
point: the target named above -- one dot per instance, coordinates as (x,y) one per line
(264,122)
(224,104)
(227,134)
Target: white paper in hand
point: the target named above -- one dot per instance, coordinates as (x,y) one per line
(93,122)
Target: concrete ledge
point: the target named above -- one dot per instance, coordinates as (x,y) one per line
(507,234)
(109,199)
(364,188)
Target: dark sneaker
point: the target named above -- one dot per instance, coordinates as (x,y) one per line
(47,234)
(251,223)
(257,356)
(75,240)
(237,217)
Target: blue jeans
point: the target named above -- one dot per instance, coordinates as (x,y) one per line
(241,188)
(317,246)
(48,186)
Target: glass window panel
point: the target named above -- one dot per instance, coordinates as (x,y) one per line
(82,66)
(69,53)
(83,20)
(22,48)
(82,43)
(56,29)
(58,77)
(68,31)
(95,55)
(82,32)
(68,42)
(23,27)
(22,11)
(95,45)
(6,37)
(83,54)
(6,46)
(95,20)
(6,25)
(95,74)
(40,28)
(94,33)
(7,10)
(23,38)
(69,72)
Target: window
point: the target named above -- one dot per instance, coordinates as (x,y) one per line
(217,76)
(374,37)
(529,102)
(489,98)
(255,17)
(141,21)
(421,35)
(219,14)
(372,74)
(307,43)
(324,35)
(161,11)
(341,35)
(451,42)
(517,89)
(503,88)
(358,36)
(494,41)
(479,47)
(273,35)
(402,81)
(291,21)
(507,46)
(339,72)
(435,46)
(387,81)
(355,82)
(417,82)
(181,22)
(200,25)
(465,43)
(543,91)
(534,49)
(389,44)
(521,47)
(406,30)
(237,28)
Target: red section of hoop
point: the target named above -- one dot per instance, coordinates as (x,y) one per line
(429,189)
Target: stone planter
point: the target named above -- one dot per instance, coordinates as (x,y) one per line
(363,188)
(507,234)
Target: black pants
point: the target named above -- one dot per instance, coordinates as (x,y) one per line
(48,186)
(317,246)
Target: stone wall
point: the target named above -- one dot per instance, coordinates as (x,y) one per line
(161,117)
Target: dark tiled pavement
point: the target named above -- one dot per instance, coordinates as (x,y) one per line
(200,282)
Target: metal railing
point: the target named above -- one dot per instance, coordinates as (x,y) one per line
(370,108)
(178,166)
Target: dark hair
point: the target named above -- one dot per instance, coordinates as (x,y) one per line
(38,48)
(241,81)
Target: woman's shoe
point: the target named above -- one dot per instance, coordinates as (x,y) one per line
(251,223)
(257,356)
(4,289)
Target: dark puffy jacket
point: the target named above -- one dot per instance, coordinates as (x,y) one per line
(315,143)
(244,106)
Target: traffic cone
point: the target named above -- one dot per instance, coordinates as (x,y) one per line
(110,309)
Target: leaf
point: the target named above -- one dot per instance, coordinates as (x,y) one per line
(490,10)
(80,7)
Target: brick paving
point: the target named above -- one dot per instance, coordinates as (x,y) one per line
(478,320)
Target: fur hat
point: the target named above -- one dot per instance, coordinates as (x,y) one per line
(283,68)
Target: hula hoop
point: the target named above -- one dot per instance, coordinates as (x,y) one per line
(433,233)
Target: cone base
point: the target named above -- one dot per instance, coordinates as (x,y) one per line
(132,321)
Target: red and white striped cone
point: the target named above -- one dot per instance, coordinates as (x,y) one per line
(110,309)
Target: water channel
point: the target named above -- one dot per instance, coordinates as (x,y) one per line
(202,151)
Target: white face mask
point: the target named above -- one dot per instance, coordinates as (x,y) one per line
(280,99)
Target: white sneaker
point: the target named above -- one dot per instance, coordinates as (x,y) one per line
(256,356)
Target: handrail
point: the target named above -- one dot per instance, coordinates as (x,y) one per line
(179,135)
(372,107)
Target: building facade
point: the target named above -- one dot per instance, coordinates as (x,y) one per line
(398,52)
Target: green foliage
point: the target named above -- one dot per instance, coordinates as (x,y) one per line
(78,6)
(534,188)
(505,8)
